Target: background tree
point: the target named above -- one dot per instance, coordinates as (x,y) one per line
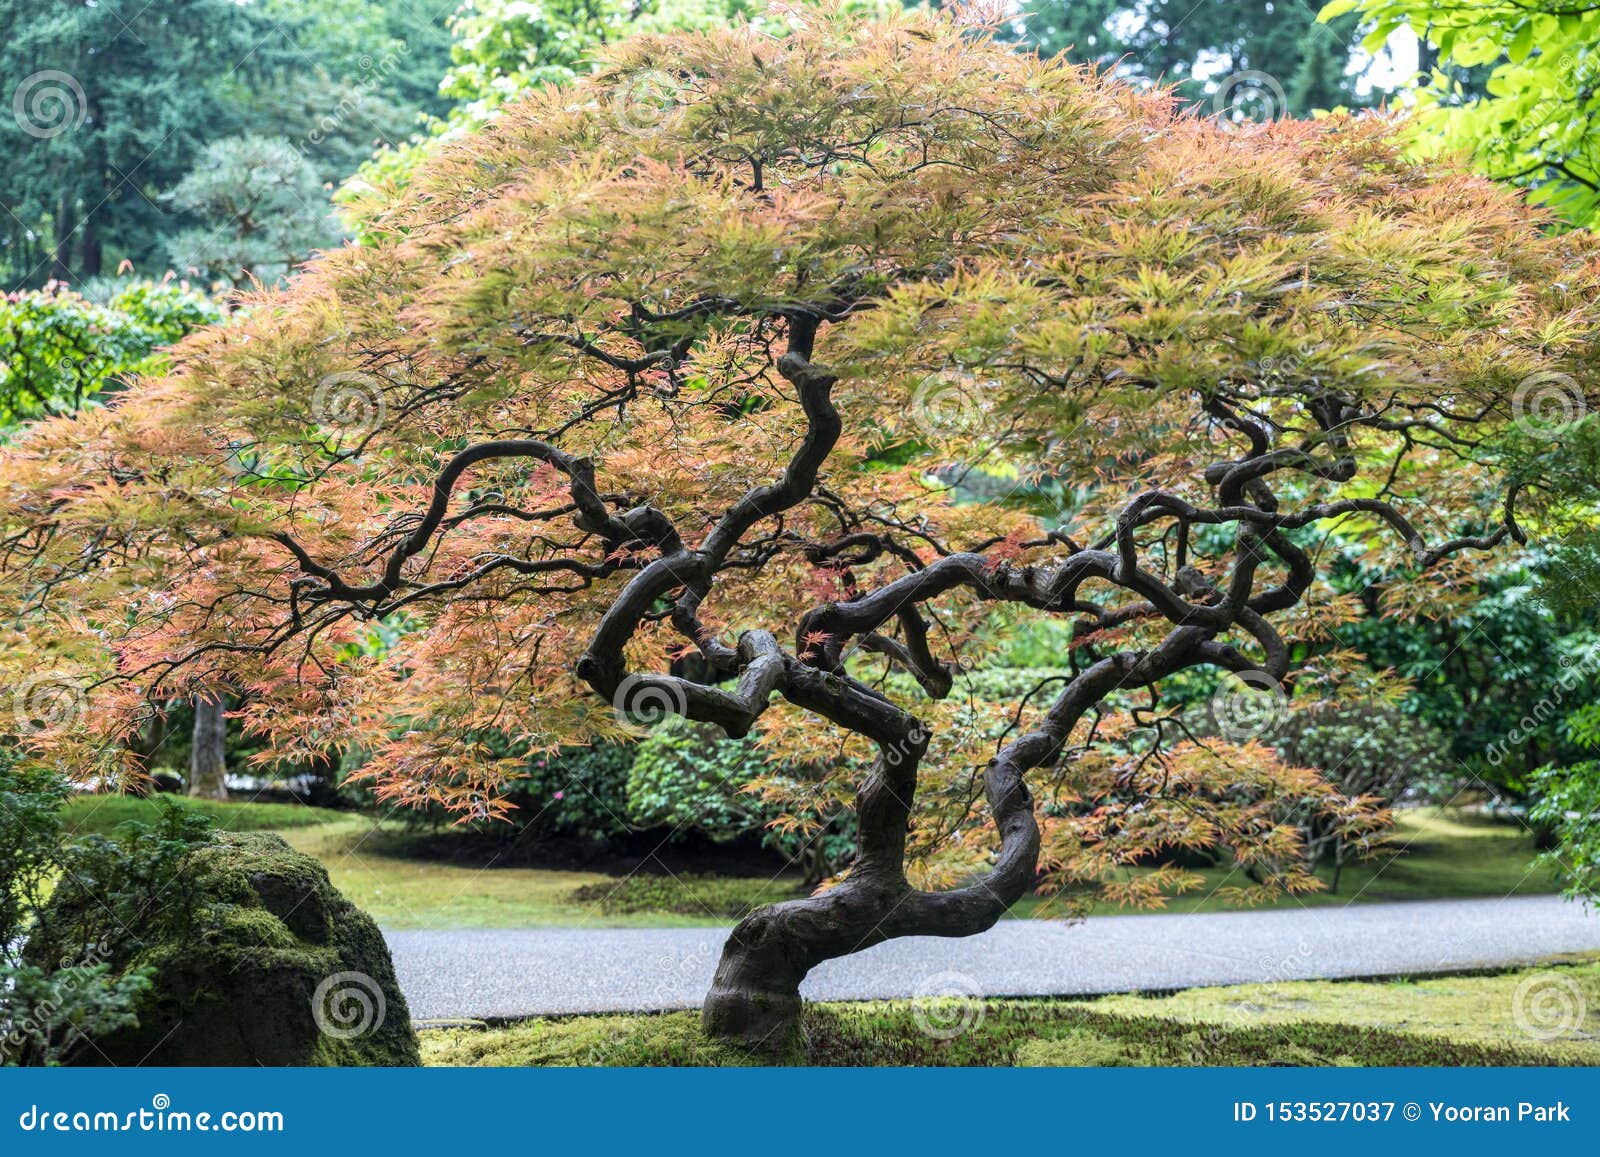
(363,75)
(1199,46)
(260,207)
(208,762)
(114,102)
(111,101)
(502,48)
(1533,120)
(620,382)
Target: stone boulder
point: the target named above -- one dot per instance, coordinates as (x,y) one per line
(255,960)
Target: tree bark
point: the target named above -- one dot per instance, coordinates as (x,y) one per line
(66,226)
(755,995)
(208,764)
(91,249)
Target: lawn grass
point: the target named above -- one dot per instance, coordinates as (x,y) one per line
(416,893)
(1440,853)
(365,861)
(688,894)
(1445,854)
(1481,1009)
(1459,1021)
(85,815)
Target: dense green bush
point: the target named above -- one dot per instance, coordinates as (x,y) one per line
(1486,676)
(1568,809)
(578,791)
(59,349)
(692,778)
(690,775)
(1365,748)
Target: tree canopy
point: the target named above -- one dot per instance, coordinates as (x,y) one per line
(644,400)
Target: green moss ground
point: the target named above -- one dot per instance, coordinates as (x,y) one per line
(1468,1009)
(1451,1021)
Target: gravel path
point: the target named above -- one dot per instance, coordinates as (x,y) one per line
(524,972)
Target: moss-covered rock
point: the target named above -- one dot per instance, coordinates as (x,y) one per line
(255,959)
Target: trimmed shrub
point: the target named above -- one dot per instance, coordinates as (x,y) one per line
(1365,748)
(685,895)
(691,777)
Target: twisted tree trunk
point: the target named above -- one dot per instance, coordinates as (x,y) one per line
(755,994)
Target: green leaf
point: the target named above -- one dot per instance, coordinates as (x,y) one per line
(1522,44)
(1379,36)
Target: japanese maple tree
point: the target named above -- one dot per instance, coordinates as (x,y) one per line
(645,399)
